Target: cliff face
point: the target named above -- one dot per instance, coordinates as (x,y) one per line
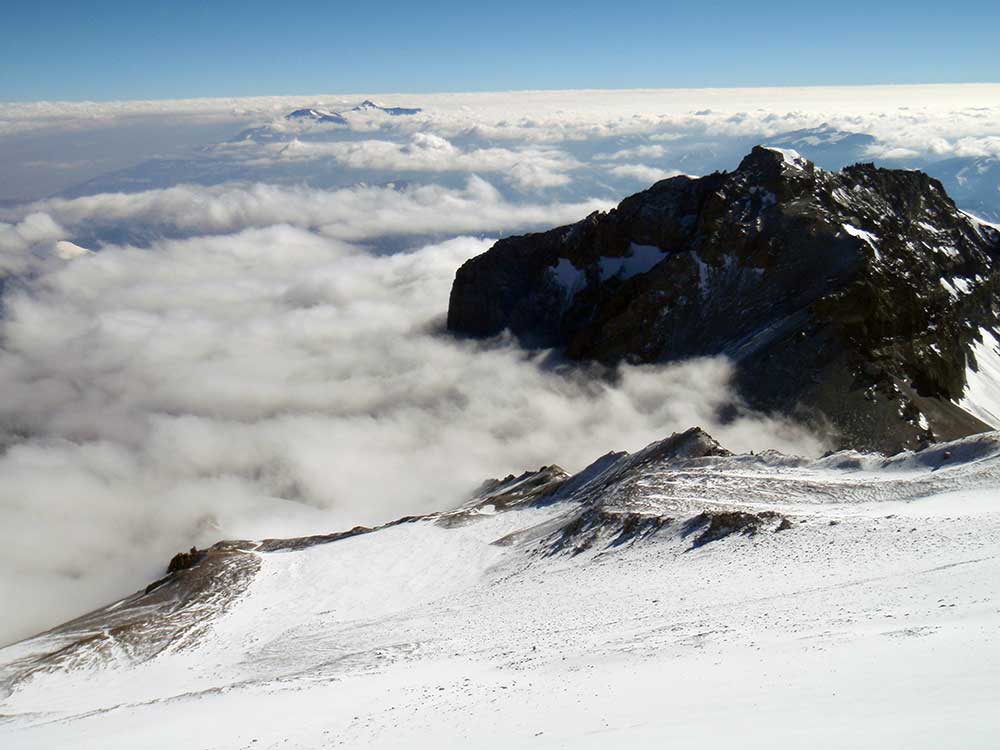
(854,299)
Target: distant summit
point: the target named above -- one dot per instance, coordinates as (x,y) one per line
(368,105)
(292,124)
(304,118)
(322,115)
(316,115)
(862,300)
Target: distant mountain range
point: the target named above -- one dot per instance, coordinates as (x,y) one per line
(826,146)
(974,183)
(319,116)
(322,115)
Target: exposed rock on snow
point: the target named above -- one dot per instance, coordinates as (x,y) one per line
(531,486)
(715,525)
(852,299)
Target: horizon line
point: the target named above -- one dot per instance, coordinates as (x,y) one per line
(225,97)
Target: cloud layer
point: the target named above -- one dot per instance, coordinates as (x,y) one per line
(354,213)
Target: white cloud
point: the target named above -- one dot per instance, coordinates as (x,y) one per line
(646,151)
(928,111)
(642,172)
(917,143)
(349,213)
(424,152)
(528,174)
(36,231)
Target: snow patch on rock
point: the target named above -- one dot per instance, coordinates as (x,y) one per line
(791,157)
(982,385)
(861,234)
(570,278)
(641,259)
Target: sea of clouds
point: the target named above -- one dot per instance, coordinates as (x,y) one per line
(246,338)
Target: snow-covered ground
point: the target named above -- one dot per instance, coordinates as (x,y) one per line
(871,620)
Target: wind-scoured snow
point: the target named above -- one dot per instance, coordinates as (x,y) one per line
(876,600)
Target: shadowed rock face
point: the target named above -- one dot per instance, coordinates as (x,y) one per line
(851,299)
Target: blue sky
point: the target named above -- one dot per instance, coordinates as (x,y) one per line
(114,49)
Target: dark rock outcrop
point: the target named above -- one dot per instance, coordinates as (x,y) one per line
(528,488)
(851,299)
(715,525)
(597,526)
(185,560)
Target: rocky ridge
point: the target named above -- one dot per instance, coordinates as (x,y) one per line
(852,299)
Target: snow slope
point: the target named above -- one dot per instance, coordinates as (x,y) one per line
(870,619)
(982,384)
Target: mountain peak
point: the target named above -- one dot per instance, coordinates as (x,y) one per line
(858,298)
(771,157)
(316,115)
(368,106)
